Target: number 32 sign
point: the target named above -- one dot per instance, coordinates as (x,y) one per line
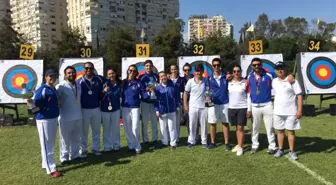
(27,52)
(198,48)
(255,47)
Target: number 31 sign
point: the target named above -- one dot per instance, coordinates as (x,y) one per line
(142,50)
(255,47)
(27,52)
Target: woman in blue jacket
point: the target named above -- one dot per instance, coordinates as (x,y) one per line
(110,107)
(131,108)
(46,99)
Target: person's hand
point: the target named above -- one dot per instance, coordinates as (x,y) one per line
(228,76)
(186,108)
(158,114)
(106,89)
(298,114)
(290,79)
(207,99)
(29,101)
(248,114)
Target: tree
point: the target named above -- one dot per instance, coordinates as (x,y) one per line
(10,41)
(276,29)
(69,45)
(262,25)
(217,44)
(296,27)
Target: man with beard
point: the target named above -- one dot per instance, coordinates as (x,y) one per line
(70,119)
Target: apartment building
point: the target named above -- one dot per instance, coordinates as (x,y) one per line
(200,26)
(40,21)
(96,18)
(4,9)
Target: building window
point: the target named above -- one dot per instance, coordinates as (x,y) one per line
(53,29)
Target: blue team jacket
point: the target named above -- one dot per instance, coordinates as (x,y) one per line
(144,80)
(265,95)
(131,91)
(91,101)
(46,99)
(220,93)
(179,86)
(167,98)
(113,96)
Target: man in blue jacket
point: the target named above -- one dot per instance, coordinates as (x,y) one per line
(147,103)
(168,100)
(219,87)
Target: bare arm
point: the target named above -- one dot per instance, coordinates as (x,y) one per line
(299,103)
(185,101)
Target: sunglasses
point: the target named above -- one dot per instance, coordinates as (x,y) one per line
(255,65)
(186,70)
(87,68)
(131,71)
(236,71)
(216,65)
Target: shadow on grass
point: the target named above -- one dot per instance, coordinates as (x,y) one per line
(314,145)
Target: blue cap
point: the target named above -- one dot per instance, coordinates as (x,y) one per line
(50,72)
(280,65)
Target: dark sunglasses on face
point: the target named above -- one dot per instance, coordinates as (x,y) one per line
(216,65)
(236,71)
(131,71)
(186,70)
(255,65)
(87,68)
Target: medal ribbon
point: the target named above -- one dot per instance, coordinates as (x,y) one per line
(74,91)
(92,83)
(257,82)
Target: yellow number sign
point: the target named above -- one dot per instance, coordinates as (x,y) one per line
(142,50)
(314,45)
(27,52)
(255,47)
(198,48)
(85,51)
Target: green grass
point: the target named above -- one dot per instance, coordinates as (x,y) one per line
(20,161)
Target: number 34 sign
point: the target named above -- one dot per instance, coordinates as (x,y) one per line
(255,47)
(27,52)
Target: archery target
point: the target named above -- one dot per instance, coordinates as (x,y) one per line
(318,72)
(268,63)
(78,64)
(158,64)
(16,72)
(194,61)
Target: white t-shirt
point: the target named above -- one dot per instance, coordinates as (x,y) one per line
(197,93)
(285,95)
(69,111)
(238,94)
(218,79)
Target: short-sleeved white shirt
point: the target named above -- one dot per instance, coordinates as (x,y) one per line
(238,94)
(285,96)
(69,111)
(197,93)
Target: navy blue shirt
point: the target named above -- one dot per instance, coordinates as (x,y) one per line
(95,85)
(111,97)
(131,91)
(46,99)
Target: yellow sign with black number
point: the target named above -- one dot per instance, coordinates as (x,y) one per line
(314,45)
(198,48)
(85,51)
(142,50)
(27,52)
(255,47)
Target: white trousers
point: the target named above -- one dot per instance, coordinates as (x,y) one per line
(168,121)
(178,122)
(47,133)
(69,139)
(263,113)
(131,119)
(111,130)
(91,117)
(197,115)
(148,114)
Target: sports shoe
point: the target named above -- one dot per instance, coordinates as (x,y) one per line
(253,150)
(227,147)
(189,145)
(138,152)
(173,148)
(234,149)
(205,146)
(212,145)
(293,156)
(83,155)
(65,163)
(96,153)
(279,153)
(56,174)
(271,151)
(240,151)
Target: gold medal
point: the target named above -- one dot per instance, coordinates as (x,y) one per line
(257,92)
(76,101)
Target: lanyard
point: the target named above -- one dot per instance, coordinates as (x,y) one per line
(257,81)
(92,83)
(74,91)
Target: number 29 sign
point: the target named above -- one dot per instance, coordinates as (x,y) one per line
(27,52)
(255,47)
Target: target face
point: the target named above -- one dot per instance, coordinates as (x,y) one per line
(142,70)
(321,72)
(208,71)
(267,65)
(15,77)
(80,70)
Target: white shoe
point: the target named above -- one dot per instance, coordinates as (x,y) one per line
(240,151)
(234,149)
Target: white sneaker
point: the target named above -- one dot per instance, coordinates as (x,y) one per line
(240,151)
(234,149)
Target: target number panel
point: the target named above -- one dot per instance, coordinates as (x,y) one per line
(198,48)
(27,51)
(142,50)
(314,45)
(255,47)
(85,51)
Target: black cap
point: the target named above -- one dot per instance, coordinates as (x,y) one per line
(50,72)
(280,65)
(199,67)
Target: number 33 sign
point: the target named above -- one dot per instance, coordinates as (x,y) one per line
(27,52)
(255,47)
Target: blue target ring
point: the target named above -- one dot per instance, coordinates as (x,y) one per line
(321,72)
(14,78)
(208,71)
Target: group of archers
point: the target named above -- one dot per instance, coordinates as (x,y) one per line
(92,100)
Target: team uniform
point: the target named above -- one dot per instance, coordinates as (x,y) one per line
(185,115)
(90,103)
(262,108)
(147,107)
(238,102)
(131,113)
(198,113)
(70,120)
(110,108)
(219,87)
(285,104)
(46,121)
(179,88)
(167,104)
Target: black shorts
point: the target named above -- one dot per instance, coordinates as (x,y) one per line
(237,117)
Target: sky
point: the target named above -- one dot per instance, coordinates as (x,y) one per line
(237,12)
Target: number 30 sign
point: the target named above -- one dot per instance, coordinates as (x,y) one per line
(255,47)
(27,52)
